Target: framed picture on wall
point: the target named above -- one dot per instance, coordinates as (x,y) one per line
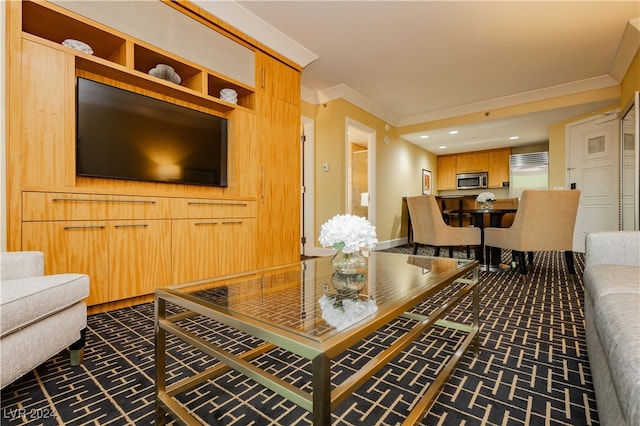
(426,182)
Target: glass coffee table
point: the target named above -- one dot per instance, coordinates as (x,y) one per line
(303,309)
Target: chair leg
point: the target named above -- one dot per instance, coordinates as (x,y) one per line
(76,350)
(530,255)
(437,251)
(468,252)
(415,248)
(450,251)
(487,257)
(568,257)
(522,261)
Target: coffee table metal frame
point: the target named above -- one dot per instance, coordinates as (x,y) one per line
(322,398)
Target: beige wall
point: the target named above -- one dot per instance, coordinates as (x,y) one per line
(557,143)
(398,167)
(631,82)
(399,164)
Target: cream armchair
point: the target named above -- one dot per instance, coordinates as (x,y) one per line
(40,315)
(429,227)
(545,221)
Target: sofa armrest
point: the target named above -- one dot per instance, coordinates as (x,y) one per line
(21,264)
(613,248)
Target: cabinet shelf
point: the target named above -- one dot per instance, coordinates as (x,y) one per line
(125,59)
(45,21)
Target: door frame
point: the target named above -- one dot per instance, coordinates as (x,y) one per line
(307,203)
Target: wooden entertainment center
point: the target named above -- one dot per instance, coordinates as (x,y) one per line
(132,237)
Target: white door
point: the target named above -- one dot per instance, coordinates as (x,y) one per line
(592,167)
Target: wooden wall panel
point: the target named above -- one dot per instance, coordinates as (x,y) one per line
(279,203)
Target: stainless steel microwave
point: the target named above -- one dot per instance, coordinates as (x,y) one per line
(472,180)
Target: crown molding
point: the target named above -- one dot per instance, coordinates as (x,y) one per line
(342,91)
(627,50)
(572,88)
(237,16)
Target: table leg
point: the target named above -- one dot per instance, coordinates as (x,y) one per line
(478,222)
(160,344)
(321,390)
(476,313)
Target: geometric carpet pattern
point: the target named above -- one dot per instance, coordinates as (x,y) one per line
(532,368)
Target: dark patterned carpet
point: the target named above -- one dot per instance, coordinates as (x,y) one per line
(532,369)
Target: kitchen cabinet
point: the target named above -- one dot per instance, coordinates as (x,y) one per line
(472,162)
(494,161)
(498,167)
(446,172)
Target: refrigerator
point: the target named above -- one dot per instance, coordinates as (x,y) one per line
(528,171)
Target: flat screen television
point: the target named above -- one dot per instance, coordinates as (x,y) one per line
(126,135)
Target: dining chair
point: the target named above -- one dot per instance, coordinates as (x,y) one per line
(429,228)
(505,203)
(545,221)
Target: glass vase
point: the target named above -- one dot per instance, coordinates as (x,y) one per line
(487,205)
(349,273)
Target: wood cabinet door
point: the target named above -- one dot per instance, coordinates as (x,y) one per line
(498,167)
(236,240)
(194,249)
(73,247)
(48,116)
(139,257)
(278,227)
(277,79)
(472,162)
(446,172)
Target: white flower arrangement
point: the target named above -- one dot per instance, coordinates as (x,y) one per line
(348,233)
(483,197)
(348,314)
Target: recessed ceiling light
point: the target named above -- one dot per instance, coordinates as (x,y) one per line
(514,137)
(442,147)
(424,136)
(453,132)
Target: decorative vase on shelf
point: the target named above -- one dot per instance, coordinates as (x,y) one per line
(349,273)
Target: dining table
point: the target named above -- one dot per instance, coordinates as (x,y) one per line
(495,221)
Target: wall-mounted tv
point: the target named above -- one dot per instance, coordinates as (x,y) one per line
(126,135)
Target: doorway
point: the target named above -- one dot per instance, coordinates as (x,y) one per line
(593,168)
(307,178)
(360,170)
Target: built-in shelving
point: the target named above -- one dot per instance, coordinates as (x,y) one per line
(129,60)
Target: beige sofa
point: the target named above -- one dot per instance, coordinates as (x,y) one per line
(40,315)
(612,323)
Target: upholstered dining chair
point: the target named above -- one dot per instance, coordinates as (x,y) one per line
(545,221)
(429,227)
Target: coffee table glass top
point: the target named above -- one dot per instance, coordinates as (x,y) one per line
(301,298)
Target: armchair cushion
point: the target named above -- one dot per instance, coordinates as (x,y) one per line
(28,300)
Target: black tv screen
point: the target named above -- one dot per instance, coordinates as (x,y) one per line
(126,135)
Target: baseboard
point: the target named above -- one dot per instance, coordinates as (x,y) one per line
(383,245)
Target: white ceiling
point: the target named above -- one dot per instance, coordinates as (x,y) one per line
(411,62)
